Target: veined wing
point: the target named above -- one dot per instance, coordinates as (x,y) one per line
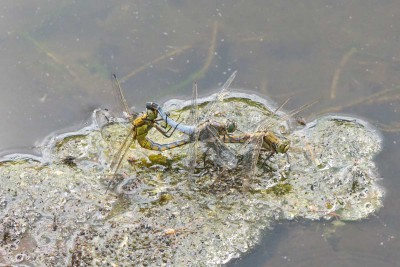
(194,120)
(194,111)
(130,135)
(117,90)
(250,151)
(266,124)
(219,97)
(119,95)
(225,156)
(119,156)
(208,134)
(264,139)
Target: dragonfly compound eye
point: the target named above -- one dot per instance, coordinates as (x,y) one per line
(283,147)
(231,126)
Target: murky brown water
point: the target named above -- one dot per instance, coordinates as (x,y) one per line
(57,58)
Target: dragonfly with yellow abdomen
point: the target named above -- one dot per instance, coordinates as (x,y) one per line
(141,125)
(208,131)
(263,140)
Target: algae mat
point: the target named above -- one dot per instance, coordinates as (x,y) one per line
(55,211)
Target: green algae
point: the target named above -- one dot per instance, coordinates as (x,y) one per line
(56,211)
(159,159)
(279,189)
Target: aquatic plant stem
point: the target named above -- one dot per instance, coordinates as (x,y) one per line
(338,71)
(175,52)
(200,73)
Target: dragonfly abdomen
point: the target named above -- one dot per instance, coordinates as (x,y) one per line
(187,129)
(239,138)
(151,145)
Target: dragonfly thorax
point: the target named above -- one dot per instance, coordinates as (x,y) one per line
(140,120)
(272,142)
(145,118)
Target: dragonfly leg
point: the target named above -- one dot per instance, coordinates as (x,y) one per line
(174,128)
(205,157)
(166,119)
(164,132)
(267,158)
(288,160)
(165,125)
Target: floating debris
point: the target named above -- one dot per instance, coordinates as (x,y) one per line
(54,210)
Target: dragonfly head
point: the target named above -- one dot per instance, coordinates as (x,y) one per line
(274,143)
(151,114)
(282,146)
(231,126)
(152,105)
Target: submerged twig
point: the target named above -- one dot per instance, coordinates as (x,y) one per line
(255,38)
(264,86)
(200,73)
(384,98)
(145,66)
(291,94)
(364,100)
(338,71)
(211,49)
(49,54)
(390,128)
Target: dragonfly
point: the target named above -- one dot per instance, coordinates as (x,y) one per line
(262,140)
(142,123)
(208,131)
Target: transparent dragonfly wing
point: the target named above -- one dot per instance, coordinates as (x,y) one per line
(251,149)
(250,152)
(267,124)
(194,111)
(193,120)
(130,137)
(210,108)
(122,109)
(265,139)
(118,93)
(208,134)
(225,156)
(119,156)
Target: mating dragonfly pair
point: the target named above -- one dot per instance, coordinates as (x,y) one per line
(214,134)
